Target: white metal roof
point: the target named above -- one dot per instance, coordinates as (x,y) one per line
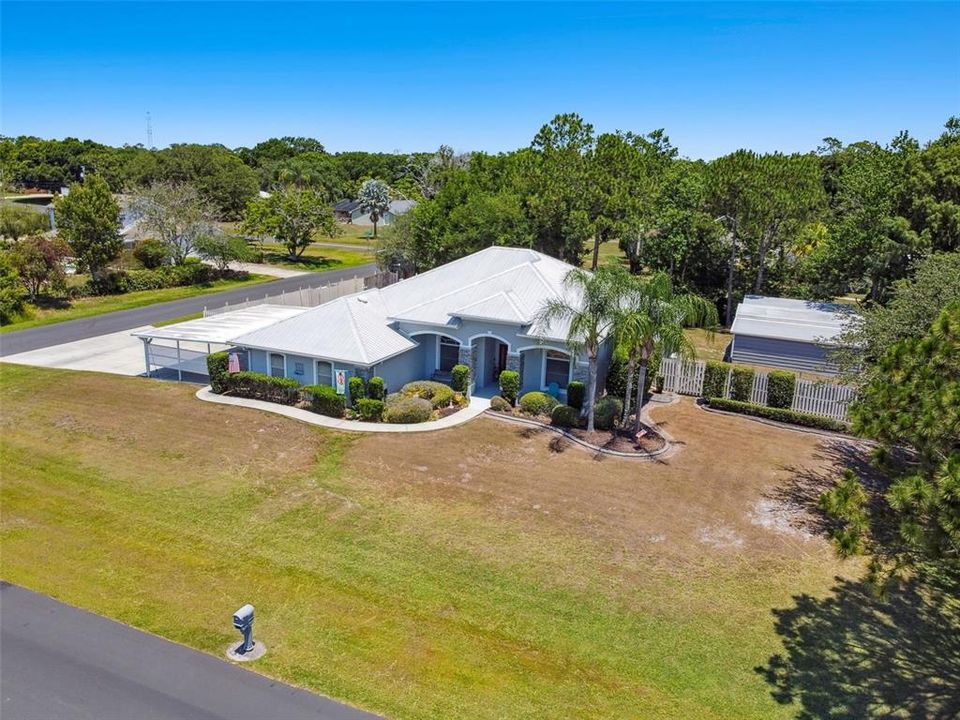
(351,329)
(791,319)
(499,284)
(225,326)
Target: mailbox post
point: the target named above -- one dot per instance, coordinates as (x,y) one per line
(243,621)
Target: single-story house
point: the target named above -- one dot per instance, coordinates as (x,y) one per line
(343,210)
(480,311)
(350,211)
(788,333)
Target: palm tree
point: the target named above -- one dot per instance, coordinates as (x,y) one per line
(649,317)
(374,198)
(590,309)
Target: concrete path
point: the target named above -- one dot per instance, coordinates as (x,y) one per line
(20,341)
(61,663)
(259,269)
(117,353)
(476,407)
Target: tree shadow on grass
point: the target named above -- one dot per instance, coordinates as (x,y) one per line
(854,655)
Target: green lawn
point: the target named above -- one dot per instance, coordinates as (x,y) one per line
(90,306)
(478,572)
(315,258)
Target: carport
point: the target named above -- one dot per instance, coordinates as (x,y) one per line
(183,347)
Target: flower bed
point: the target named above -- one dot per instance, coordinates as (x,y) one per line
(567,419)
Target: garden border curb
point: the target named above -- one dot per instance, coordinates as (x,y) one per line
(783,426)
(669,444)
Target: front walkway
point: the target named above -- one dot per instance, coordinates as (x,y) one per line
(476,407)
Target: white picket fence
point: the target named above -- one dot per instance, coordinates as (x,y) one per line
(817,398)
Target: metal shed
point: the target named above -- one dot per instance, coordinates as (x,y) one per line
(788,333)
(182,348)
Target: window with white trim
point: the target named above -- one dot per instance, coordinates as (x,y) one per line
(324,373)
(449,353)
(557,369)
(277,365)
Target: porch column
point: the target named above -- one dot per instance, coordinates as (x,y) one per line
(468,356)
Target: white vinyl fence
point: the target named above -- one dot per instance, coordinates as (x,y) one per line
(311,296)
(817,398)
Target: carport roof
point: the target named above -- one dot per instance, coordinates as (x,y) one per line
(223,327)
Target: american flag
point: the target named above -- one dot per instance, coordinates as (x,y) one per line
(233,363)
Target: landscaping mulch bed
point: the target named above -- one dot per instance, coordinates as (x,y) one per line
(620,440)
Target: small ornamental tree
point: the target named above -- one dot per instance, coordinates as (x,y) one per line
(575,392)
(374,198)
(357,387)
(780,387)
(509,385)
(292,216)
(376,389)
(12,294)
(460,378)
(88,218)
(221,250)
(39,262)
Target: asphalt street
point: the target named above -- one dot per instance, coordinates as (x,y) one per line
(61,663)
(58,333)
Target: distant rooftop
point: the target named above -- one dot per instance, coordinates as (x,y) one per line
(792,319)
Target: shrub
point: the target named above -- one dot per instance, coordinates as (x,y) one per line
(324,400)
(217,370)
(358,389)
(779,414)
(607,412)
(715,378)
(460,400)
(437,393)
(151,253)
(575,393)
(741,384)
(408,410)
(780,387)
(509,385)
(460,378)
(258,386)
(370,410)
(376,390)
(565,416)
(499,404)
(537,403)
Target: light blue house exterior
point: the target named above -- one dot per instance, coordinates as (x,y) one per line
(480,311)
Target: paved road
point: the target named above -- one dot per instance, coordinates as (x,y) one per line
(63,332)
(61,663)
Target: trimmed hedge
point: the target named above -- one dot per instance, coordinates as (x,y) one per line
(324,400)
(780,387)
(358,388)
(509,385)
(741,383)
(370,410)
(407,410)
(607,412)
(285,391)
(376,389)
(575,394)
(715,378)
(565,416)
(499,404)
(437,393)
(460,378)
(166,276)
(537,403)
(217,370)
(779,414)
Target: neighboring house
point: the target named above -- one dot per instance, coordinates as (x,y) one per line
(343,210)
(479,311)
(397,207)
(788,333)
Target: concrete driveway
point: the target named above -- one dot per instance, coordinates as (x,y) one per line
(117,353)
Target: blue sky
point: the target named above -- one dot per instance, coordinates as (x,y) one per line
(407,77)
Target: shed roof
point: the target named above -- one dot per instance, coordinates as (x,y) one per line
(223,327)
(792,319)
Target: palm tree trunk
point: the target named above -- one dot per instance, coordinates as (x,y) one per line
(640,383)
(596,251)
(591,389)
(730,271)
(631,370)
